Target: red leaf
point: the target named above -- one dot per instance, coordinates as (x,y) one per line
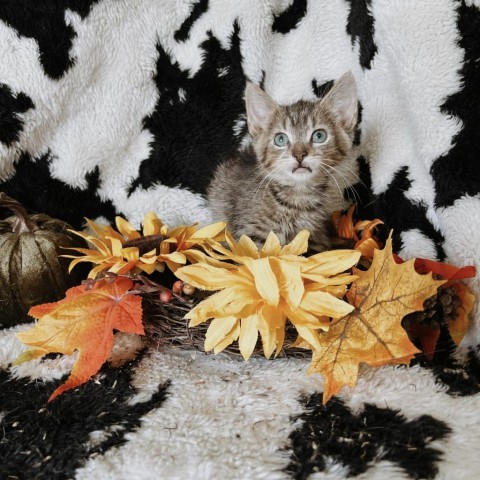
(84,321)
(445,270)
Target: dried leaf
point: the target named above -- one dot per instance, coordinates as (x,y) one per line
(426,335)
(447,271)
(84,321)
(458,327)
(372,332)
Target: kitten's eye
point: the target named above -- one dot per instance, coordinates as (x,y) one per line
(319,136)
(280,139)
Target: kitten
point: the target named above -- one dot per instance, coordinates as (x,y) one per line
(292,175)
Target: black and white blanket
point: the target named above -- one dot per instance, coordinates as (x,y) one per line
(123,106)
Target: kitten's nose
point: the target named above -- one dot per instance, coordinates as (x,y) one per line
(300,155)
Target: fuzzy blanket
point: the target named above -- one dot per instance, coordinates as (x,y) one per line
(123,106)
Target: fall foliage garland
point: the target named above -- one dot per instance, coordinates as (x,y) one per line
(345,315)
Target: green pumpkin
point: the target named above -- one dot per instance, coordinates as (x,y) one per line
(31,271)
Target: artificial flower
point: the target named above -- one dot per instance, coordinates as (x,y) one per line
(361,232)
(125,249)
(259,289)
(189,242)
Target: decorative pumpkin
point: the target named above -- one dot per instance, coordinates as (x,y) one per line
(31,271)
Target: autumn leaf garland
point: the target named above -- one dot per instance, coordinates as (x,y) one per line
(343,315)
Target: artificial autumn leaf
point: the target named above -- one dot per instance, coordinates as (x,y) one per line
(344,224)
(360,232)
(426,335)
(84,321)
(458,327)
(372,332)
(445,270)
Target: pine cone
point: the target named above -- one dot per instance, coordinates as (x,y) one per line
(438,309)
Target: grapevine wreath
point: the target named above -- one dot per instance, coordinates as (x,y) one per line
(199,287)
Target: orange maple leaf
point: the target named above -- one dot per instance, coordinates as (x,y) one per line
(372,333)
(83,321)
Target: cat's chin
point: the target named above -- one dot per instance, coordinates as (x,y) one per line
(302,171)
(301,175)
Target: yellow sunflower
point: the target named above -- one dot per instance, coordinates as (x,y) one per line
(127,250)
(263,288)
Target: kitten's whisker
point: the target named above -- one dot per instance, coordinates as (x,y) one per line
(260,171)
(322,166)
(356,175)
(347,184)
(272,175)
(264,180)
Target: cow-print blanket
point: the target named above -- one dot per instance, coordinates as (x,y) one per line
(114,107)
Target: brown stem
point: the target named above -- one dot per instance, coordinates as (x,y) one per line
(23,222)
(145,244)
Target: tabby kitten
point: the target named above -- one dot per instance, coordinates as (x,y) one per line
(292,175)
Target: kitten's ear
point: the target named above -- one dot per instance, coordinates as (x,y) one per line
(259,108)
(343,100)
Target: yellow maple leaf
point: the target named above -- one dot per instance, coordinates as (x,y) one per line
(83,321)
(372,333)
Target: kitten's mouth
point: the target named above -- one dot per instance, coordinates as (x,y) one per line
(302,169)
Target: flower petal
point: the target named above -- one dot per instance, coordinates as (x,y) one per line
(176,257)
(151,224)
(116,247)
(147,268)
(280,339)
(336,290)
(265,279)
(289,281)
(121,267)
(103,230)
(272,246)
(310,336)
(210,231)
(299,245)
(331,262)
(229,338)
(130,253)
(196,256)
(126,228)
(323,281)
(322,303)
(228,302)
(366,246)
(244,248)
(301,318)
(248,335)
(218,329)
(208,277)
(345,227)
(268,335)
(98,269)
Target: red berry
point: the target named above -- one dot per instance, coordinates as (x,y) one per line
(177,287)
(166,296)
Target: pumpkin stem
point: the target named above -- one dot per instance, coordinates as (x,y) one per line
(23,222)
